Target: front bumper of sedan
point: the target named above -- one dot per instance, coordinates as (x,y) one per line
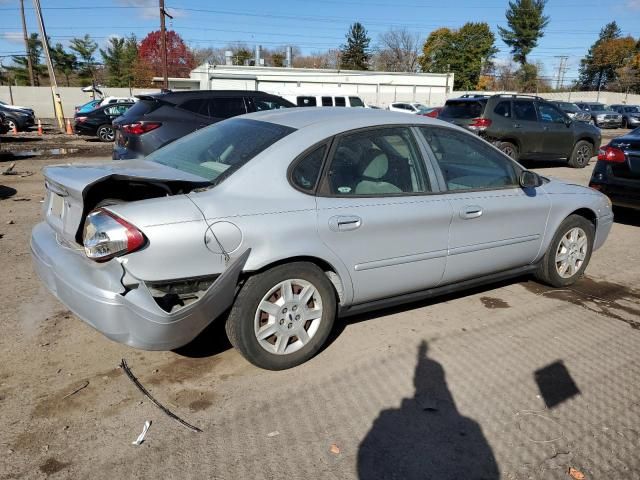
(94,292)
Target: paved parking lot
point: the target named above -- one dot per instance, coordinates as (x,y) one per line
(513,381)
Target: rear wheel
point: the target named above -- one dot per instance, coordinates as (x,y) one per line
(282,317)
(509,149)
(581,154)
(105,133)
(11,124)
(569,252)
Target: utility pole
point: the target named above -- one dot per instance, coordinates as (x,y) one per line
(52,74)
(562,68)
(26,44)
(163,35)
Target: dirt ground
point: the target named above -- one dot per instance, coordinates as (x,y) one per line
(512,381)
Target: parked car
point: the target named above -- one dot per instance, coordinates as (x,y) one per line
(87,107)
(286,219)
(630,114)
(617,172)
(415,108)
(525,127)
(17,117)
(325,100)
(601,115)
(159,119)
(4,128)
(98,122)
(573,111)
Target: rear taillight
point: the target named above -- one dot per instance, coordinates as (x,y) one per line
(139,128)
(81,119)
(106,236)
(480,124)
(611,154)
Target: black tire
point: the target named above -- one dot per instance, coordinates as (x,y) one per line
(547,270)
(625,123)
(581,154)
(106,133)
(510,150)
(240,325)
(11,123)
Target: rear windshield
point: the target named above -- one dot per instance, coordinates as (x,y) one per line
(462,109)
(217,151)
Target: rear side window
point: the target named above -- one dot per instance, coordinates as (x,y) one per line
(225,107)
(306,172)
(341,102)
(217,151)
(195,105)
(327,102)
(525,111)
(356,102)
(462,109)
(503,109)
(143,107)
(307,102)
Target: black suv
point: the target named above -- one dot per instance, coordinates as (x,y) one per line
(159,119)
(525,127)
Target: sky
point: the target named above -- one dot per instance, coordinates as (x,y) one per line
(314,25)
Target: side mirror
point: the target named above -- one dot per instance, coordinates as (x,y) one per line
(529,179)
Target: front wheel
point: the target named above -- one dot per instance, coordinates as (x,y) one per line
(282,317)
(581,154)
(13,126)
(106,133)
(569,252)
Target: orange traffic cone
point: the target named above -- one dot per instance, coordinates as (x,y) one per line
(69,129)
(15,129)
(39,127)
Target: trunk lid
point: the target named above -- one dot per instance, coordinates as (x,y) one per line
(630,144)
(67,188)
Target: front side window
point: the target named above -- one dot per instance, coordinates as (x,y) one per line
(306,172)
(356,102)
(468,163)
(341,102)
(550,114)
(378,162)
(217,151)
(524,110)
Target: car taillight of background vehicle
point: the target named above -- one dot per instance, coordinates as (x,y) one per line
(611,154)
(479,124)
(433,113)
(139,128)
(106,236)
(81,119)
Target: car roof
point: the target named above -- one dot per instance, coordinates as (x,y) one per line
(340,117)
(184,95)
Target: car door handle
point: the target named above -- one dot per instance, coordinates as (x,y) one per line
(470,211)
(344,223)
(517,125)
(545,129)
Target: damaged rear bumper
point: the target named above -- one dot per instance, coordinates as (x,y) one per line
(94,292)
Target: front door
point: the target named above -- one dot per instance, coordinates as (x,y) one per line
(376,212)
(496,225)
(557,134)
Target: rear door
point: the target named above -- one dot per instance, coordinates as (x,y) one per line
(557,135)
(496,225)
(527,128)
(378,214)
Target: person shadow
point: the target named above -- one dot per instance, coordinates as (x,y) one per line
(426,438)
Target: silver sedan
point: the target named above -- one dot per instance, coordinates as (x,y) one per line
(279,222)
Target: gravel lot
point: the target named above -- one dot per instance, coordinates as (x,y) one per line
(513,381)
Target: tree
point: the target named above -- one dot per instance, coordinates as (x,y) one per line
(64,62)
(215,56)
(278,59)
(20,68)
(397,51)
(592,77)
(526,21)
(119,59)
(85,47)
(468,52)
(180,60)
(356,54)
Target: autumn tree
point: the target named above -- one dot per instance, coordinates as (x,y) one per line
(355,54)
(180,60)
(592,77)
(467,52)
(526,23)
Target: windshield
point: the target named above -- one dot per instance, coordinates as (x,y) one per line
(217,151)
(633,109)
(596,106)
(462,109)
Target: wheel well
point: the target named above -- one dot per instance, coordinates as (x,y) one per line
(587,139)
(588,214)
(513,141)
(326,267)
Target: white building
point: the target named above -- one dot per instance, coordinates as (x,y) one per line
(375,88)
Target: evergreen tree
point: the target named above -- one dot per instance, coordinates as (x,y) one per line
(119,59)
(64,62)
(20,67)
(85,47)
(526,21)
(592,75)
(356,54)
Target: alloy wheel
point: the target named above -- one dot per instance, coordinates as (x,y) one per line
(509,150)
(583,155)
(571,252)
(106,134)
(288,316)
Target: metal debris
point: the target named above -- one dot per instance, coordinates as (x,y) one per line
(81,387)
(136,382)
(140,438)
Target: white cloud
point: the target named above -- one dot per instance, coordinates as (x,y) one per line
(12,37)
(633,4)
